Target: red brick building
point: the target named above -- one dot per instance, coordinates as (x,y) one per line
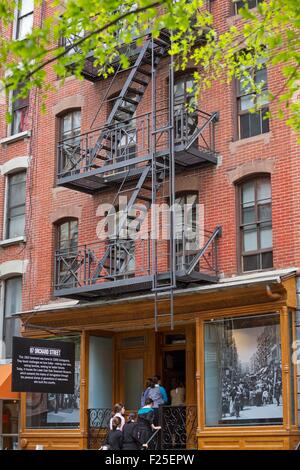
(56,170)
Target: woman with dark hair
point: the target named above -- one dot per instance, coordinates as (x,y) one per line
(130,434)
(145,423)
(114,439)
(118,411)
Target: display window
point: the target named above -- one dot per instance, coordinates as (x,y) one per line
(243,373)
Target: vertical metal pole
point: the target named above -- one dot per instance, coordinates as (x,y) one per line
(172,174)
(172,192)
(153,171)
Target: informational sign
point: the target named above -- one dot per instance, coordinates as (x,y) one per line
(43,366)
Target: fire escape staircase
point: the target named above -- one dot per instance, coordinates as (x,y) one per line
(91,176)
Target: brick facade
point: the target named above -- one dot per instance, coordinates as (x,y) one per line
(275,153)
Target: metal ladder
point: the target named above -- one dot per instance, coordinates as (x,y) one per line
(167,287)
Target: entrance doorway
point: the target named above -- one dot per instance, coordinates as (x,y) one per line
(9,426)
(177,369)
(174,372)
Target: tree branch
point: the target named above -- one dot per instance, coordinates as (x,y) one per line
(88,36)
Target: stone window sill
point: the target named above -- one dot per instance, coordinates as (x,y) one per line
(264,138)
(12,241)
(14,138)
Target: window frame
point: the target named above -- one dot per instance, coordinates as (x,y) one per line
(236,7)
(19,18)
(73,134)
(263,109)
(184,253)
(69,253)
(8,208)
(67,140)
(240,225)
(18,105)
(58,227)
(6,316)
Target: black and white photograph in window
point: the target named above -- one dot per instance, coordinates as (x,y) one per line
(243,380)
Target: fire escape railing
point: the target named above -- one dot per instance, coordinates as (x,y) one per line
(111,260)
(131,139)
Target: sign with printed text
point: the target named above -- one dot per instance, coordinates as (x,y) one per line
(43,366)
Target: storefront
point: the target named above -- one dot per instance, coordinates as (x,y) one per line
(232,347)
(9,411)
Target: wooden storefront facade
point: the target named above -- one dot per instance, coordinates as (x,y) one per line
(135,345)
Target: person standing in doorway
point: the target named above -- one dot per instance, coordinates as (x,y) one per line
(178,395)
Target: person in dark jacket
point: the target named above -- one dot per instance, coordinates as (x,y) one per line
(130,437)
(114,439)
(145,423)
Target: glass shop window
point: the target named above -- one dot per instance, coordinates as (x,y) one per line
(243,378)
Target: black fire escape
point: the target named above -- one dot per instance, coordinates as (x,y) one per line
(137,156)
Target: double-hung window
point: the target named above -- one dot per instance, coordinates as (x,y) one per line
(19,110)
(24,18)
(252,123)
(15,207)
(255,217)
(12,305)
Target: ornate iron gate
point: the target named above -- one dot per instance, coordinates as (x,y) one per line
(98,422)
(179,425)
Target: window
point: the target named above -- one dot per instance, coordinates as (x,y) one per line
(251,4)
(121,259)
(19,109)
(253,123)
(255,216)
(12,304)
(243,377)
(67,261)
(24,19)
(70,130)
(185,119)
(122,142)
(186,229)
(15,212)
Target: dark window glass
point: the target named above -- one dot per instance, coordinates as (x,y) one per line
(19,113)
(15,217)
(251,124)
(256,224)
(24,18)
(12,305)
